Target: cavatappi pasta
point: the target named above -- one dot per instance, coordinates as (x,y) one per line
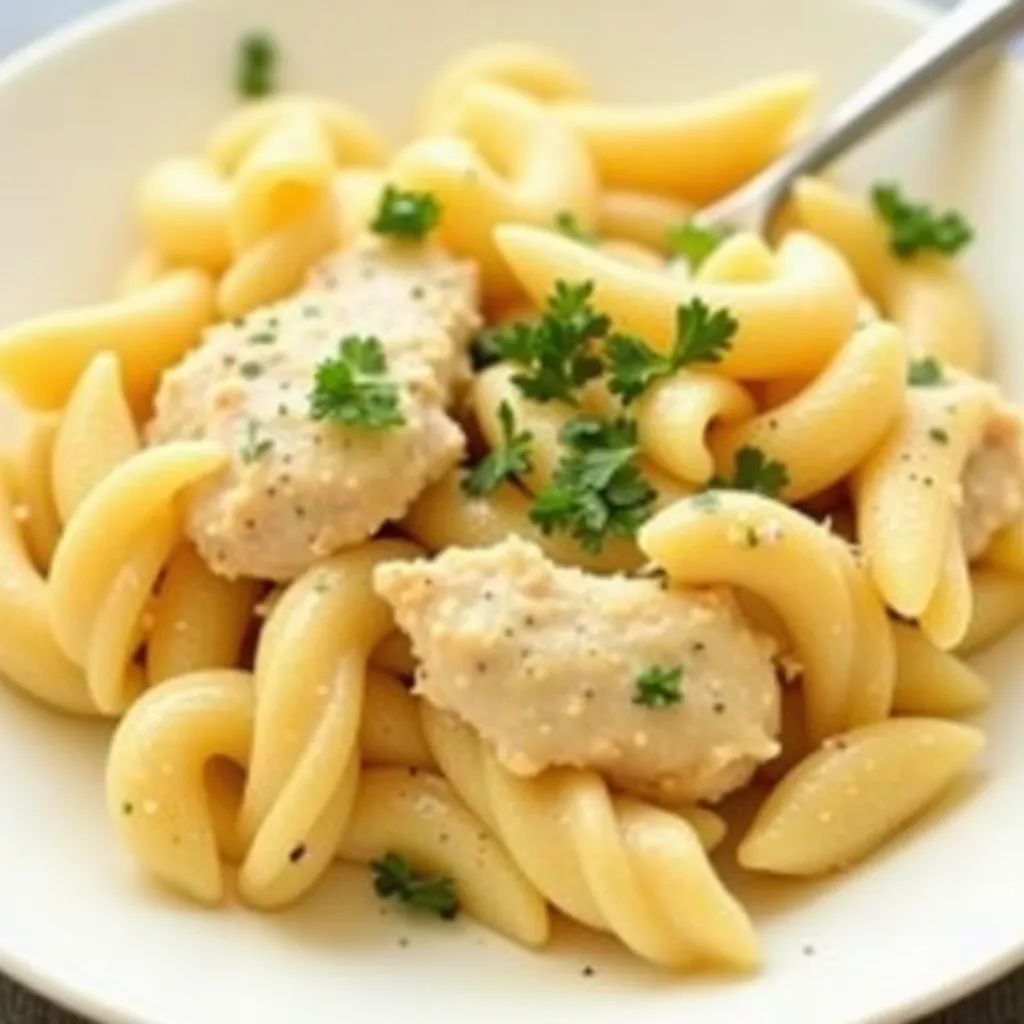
(470,512)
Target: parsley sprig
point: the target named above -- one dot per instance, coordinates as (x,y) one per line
(914,226)
(925,373)
(597,490)
(658,687)
(754,471)
(410,216)
(353,387)
(393,877)
(694,242)
(557,350)
(702,336)
(254,447)
(256,69)
(509,458)
(569,225)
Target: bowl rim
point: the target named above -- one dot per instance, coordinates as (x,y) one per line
(80,29)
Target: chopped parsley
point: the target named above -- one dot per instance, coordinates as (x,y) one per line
(484,350)
(939,435)
(253,447)
(407,215)
(754,472)
(556,351)
(658,687)
(510,457)
(695,243)
(394,878)
(925,373)
(256,69)
(569,225)
(914,226)
(262,338)
(597,490)
(250,369)
(354,388)
(702,336)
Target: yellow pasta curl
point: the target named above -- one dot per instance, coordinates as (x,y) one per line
(612,863)
(789,325)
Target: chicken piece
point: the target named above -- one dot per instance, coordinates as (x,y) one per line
(992,483)
(544,662)
(298,489)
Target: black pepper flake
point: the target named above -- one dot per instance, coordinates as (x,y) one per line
(718,707)
(481,666)
(588,693)
(273,322)
(912,478)
(300,511)
(282,410)
(698,647)
(238,321)
(529,620)
(271,491)
(443,837)
(809,950)
(286,459)
(773,424)
(588,971)
(509,632)
(418,292)
(250,370)
(488,595)
(297,853)
(127,808)
(229,360)
(905,457)
(929,481)
(414,772)
(403,942)
(250,524)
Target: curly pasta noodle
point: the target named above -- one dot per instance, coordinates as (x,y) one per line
(612,863)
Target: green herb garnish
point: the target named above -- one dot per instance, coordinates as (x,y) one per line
(939,435)
(511,457)
(701,337)
(250,369)
(407,215)
(925,373)
(354,388)
(556,350)
(256,66)
(695,243)
(394,878)
(253,447)
(913,226)
(754,472)
(597,490)
(569,225)
(658,687)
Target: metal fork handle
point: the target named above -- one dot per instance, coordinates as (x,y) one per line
(954,39)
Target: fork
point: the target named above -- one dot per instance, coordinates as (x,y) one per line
(957,37)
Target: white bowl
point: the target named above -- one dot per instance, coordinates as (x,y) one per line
(80,117)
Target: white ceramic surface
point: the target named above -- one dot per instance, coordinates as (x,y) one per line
(80,117)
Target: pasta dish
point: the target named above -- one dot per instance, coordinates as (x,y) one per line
(471,511)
